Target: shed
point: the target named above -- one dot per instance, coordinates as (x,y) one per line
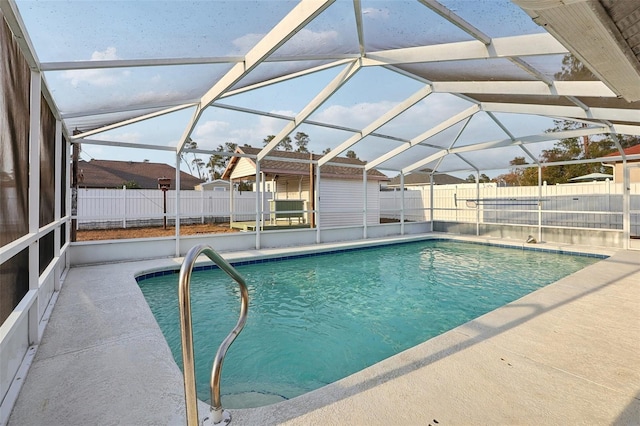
(214,185)
(291,175)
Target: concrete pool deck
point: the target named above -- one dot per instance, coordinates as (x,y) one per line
(566,354)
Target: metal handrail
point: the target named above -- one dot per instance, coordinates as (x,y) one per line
(218,415)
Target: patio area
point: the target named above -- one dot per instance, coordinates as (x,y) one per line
(565,354)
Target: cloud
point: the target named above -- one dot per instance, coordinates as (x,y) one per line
(97,77)
(356,116)
(376,13)
(307,41)
(304,41)
(131,137)
(247,41)
(108,54)
(210,130)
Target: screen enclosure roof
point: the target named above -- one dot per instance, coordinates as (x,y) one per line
(449,86)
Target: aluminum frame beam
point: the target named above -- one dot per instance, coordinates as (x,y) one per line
(311,107)
(501,47)
(381,121)
(424,136)
(288,26)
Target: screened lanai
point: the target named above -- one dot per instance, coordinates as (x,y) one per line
(449,87)
(411,87)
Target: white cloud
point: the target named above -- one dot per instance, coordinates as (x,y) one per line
(211,131)
(130,137)
(247,41)
(304,41)
(108,54)
(97,77)
(376,13)
(355,116)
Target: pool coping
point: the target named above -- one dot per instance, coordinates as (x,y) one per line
(109,357)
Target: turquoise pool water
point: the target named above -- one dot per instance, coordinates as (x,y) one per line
(315,320)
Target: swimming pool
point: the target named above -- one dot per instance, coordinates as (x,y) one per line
(317,319)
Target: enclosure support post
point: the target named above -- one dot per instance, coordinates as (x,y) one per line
(477,203)
(58,199)
(34,203)
(364,202)
(177,221)
(316,203)
(626,203)
(312,193)
(67,183)
(431,197)
(232,198)
(258,204)
(74,188)
(401,203)
(124,207)
(539,203)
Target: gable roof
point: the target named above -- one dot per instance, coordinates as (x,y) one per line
(632,150)
(274,166)
(114,174)
(423,179)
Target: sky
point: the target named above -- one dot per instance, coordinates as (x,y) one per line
(109,30)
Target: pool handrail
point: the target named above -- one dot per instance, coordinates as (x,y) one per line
(218,415)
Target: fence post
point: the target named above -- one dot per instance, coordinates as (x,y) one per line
(124,206)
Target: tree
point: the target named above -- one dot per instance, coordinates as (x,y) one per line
(326,151)
(483,178)
(284,145)
(217,162)
(351,154)
(195,161)
(199,165)
(302,141)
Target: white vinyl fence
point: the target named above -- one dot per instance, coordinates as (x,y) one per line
(123,208)
(583,205)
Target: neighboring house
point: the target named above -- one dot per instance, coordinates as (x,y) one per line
(422,179)
(116,174)
(214,185)
(634,170)
(290,174)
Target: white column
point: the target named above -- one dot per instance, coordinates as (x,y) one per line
(177,204)
(258,204)
(67,161)
(477,202)
(231,199)
(57,211)
(401,203)
(124,206)
(316,204)
(364,201)
(626,204)
(539,203)
(431,198)
(34,202)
